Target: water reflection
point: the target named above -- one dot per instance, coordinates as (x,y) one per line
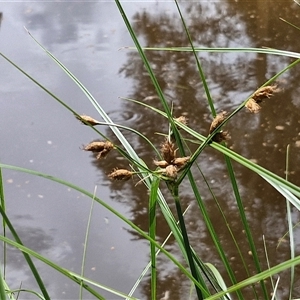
(1,17)
(85,28)
(39,139)
(231,78)
(61,23)
(18,273)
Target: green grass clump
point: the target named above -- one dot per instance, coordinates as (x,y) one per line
(175,163)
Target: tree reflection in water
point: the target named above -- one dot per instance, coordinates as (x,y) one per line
(231,77)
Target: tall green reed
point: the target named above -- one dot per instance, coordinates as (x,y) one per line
(171,170)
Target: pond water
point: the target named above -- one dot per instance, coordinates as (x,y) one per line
(90,39)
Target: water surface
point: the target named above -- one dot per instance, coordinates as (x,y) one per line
(38,133)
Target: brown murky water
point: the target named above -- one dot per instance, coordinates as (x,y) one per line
(39,134)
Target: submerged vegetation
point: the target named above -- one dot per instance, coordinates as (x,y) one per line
(173,161)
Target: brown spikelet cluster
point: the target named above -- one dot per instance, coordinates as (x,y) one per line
(180,162)
(217,121)
(160,163)
(259,96)
(102,148)
(168,151)
(170,165)
(120,174)
(87,120)
(170,171)
(182,120)
(252,106)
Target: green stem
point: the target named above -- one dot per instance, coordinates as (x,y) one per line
(152,233)
(245,224)
(26,256)
(173,187)
(2,203)
(240,107)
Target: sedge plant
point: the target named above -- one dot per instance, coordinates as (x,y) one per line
(175,163)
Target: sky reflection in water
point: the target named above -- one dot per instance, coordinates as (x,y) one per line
(39,134)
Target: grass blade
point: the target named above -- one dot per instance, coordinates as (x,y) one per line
(212,231)
(152,233)
(2,287)
(266,174)
(174,190)
(226,50)
(268,264)
(71,275)
(86,243)
(2,204)
(218,277)
(30,263)
(200,70)
(132,154)
(112,210)
(258,277)
(149,264)
(290,224)
(245,223)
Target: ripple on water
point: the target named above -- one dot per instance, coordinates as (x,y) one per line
(124,116)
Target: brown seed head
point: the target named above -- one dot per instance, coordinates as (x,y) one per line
(181,119)
(179,162)
(102,148)
(161,163)
(252,106)
(95,146)
(102,154)
(168,151)
(109,145)
(98,146)
(87,120)
(120,174)
(217,121)
(170,171)
(265,92)
(221,136)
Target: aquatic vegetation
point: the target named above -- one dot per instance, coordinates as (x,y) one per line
(101,148)
(173,162)
(265,92)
